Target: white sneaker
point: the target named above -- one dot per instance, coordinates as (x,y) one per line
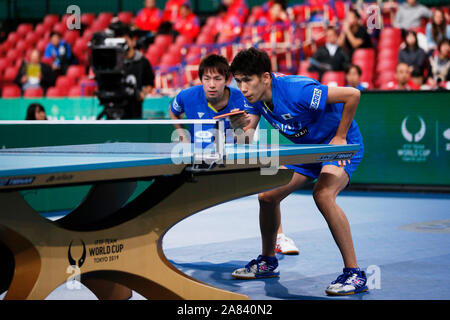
(285,245)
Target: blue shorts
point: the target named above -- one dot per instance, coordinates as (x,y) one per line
(313,169)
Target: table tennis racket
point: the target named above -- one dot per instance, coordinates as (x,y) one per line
(232,113)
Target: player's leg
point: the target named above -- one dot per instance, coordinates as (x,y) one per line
(332,180)
(269,211)
(266,265)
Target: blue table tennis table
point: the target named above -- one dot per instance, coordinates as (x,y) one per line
(112,244)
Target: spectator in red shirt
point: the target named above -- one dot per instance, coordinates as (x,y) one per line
(403,79)
(172,10)
(187,24)
(227,25)
(150,17)
(274,24)
(237,8)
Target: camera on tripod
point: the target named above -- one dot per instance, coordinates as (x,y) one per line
(108,64)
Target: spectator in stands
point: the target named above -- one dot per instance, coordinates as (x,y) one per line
(187,24)
(440,64)
(412,54)
(58,54)
(353,35)
(330,57)
(409,15)
(353,77)
(227,25)
(236,8)
(138,73)
(437,29)
(402,79)
(150,17)
(36,111)
(274,24)
(35,73)
(418,78)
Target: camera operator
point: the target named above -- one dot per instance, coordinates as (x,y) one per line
(139,75)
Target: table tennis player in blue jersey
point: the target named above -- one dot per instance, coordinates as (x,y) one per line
(212,98)
(306,112)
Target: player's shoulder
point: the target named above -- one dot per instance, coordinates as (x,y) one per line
(191,92)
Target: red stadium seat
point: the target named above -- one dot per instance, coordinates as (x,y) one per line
(125,17)
(367,54)
(10,74)
(64,83)
(31,38)
(21,46)
(336,78)
(87,18)
(41,29)
(13,37)
(76,72)
(385,65)
(391,33)
(23,29)
(75,91)
(50,19)
(60,27)
(163,40)
(11,91)
(54,92)
(71,36)
(4,63)
(33,93)
(88,87)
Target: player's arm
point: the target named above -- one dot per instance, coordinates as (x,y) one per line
(350,98)
(182,132)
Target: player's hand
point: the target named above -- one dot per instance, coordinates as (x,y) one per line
(239,121)
(339,141)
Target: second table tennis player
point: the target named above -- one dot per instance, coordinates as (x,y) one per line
(306,112)
(213,98)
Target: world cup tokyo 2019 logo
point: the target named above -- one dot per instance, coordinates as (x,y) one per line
(413,151)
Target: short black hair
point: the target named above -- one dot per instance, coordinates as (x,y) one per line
(442,42)
(351,66)
(53,33)
(250,62)
(121,29)
(355,12)
(214,62)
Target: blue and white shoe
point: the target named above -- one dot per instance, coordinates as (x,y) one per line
(350,282)
(262,267)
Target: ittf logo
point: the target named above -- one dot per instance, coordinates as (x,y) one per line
(413,137)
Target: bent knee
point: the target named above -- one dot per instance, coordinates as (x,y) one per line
(266,198)
(324,195)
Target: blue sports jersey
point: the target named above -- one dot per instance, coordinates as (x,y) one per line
(192,102)
(300,111)
(301,114)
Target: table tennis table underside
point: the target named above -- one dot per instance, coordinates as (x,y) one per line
(40,252)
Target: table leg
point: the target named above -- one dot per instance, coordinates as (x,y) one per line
(124,247)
